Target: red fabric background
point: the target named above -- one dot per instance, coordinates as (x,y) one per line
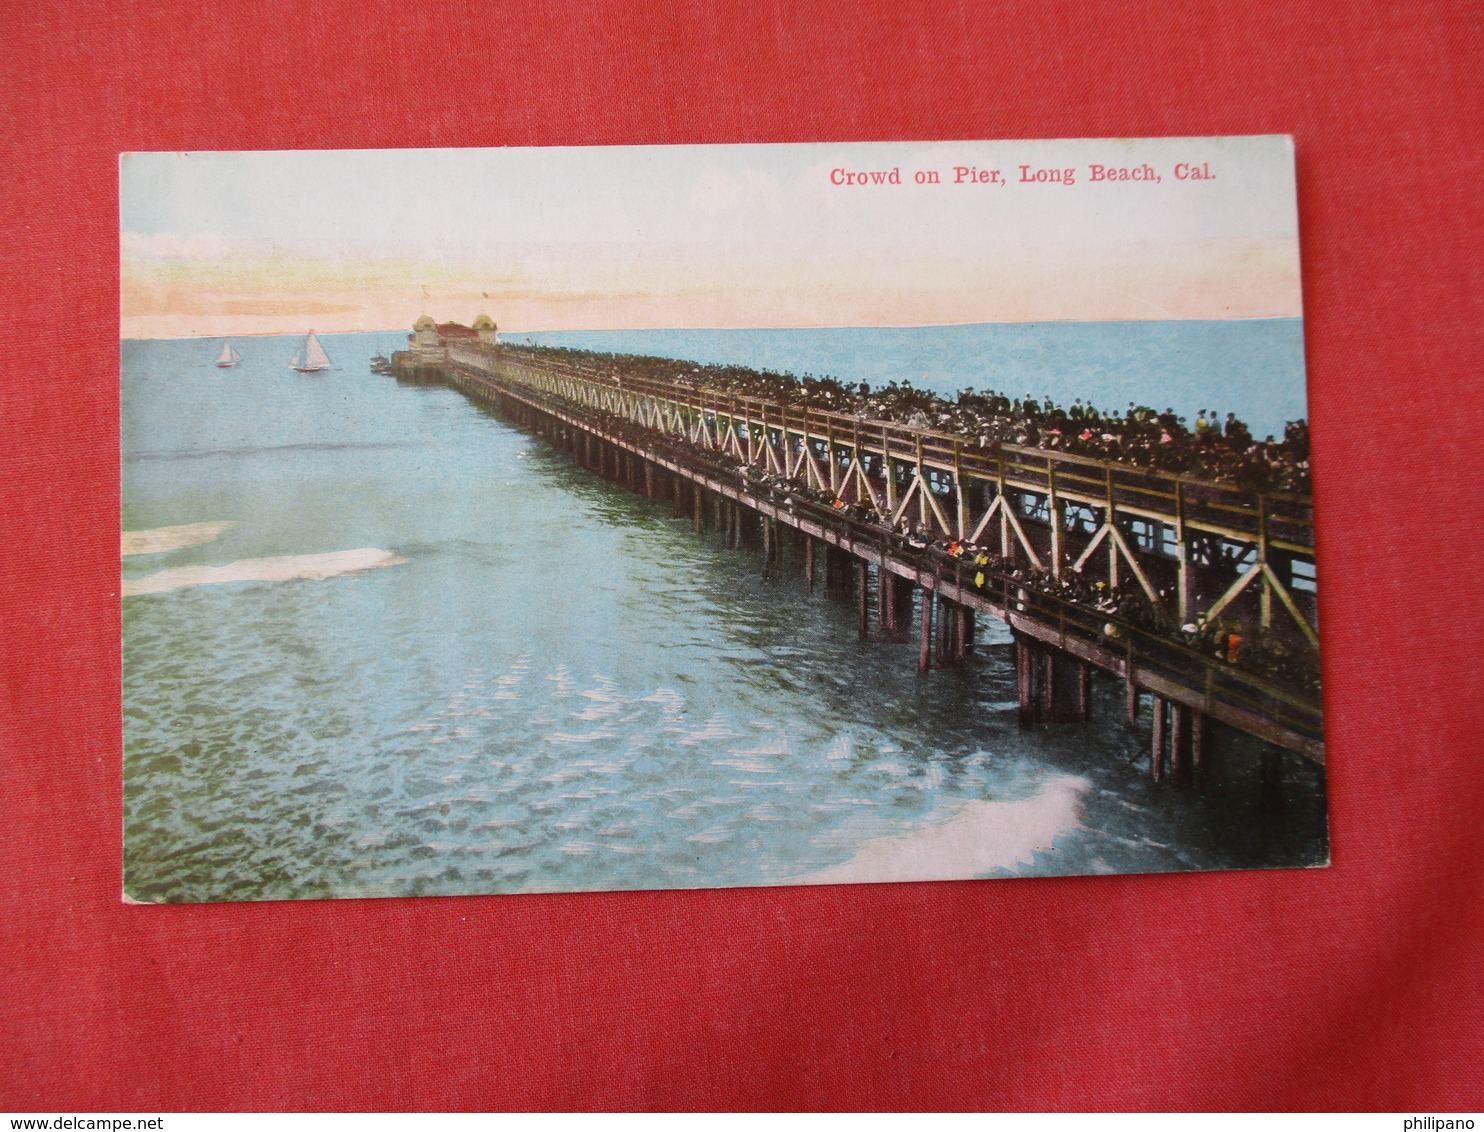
(1356,987)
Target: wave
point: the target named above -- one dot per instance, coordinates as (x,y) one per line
(280,569)
(157,540)
(982,838)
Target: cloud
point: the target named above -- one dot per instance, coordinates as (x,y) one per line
(716,191)
(168,246)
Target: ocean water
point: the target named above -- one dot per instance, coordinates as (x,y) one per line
(1252,367)
(456,663)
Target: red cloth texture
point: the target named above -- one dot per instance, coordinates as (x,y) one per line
(1360,986)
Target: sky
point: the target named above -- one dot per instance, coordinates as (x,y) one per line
(651,237)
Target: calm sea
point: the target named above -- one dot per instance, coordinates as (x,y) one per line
(561,687)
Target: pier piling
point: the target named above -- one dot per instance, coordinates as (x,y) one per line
(1047,706)
(1200,747)
(1023,696)
(1157,740)
(1179,744)
(925,646)
(1272,777)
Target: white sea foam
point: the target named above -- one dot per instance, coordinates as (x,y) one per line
(157,540)
(714,728)
(981,838)
(589,737)
(768,747)
(755,766)
(593,714)
(282,569)
(713,836)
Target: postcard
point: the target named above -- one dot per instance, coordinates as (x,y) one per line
(557,520)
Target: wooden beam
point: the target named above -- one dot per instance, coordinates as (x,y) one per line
(1134,565)
(906,499)
(1232,592)
(1182,568)
(1102,533)
(927,493)
(1008,512)
(1054,511)
(978,530)
(961,513)
(1288,604)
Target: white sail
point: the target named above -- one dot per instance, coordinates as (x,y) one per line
(311,356)
(228,357)
(314,353)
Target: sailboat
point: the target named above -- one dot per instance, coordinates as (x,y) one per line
(311,356)
(228,357)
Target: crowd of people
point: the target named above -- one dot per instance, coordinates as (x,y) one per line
(1227,639)
(1211,447)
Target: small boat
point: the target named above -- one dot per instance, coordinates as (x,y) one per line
(380,364)
(228,357)
(311,356)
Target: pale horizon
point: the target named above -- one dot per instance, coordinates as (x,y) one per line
(703,237)
(516,331)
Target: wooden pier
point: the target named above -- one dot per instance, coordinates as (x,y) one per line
(886,509)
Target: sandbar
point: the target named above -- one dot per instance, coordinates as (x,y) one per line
(281,569)
(157,540)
